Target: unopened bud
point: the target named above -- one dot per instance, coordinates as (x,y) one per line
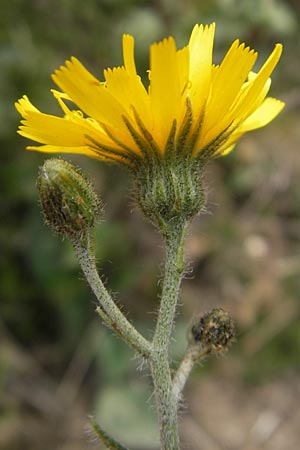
(69,203)
(215,331)
(170,192)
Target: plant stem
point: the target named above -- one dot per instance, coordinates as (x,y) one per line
(194,354)
(108,310)
(156,352)
(107,440)
(165,399)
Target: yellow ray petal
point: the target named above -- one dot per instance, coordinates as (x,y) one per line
(233,113)
(53,130)
(128,54)
(104,138)
(89,93)
(164,88)
(267,111)
(200,64)
(137,93)
(84,150)
(60,97)
(23,106)
(227,150)
(258,84)
(129,91)
(229,145)
(228,80)
(183,64)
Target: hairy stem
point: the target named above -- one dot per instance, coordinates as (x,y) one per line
(156,352)
(165,399)
(194,355)
(108,310)
(107,440)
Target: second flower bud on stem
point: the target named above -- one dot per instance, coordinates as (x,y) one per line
(70,205)
(210,334)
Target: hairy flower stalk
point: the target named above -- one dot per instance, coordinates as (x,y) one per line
(71,207)
(163,134)
(160,366)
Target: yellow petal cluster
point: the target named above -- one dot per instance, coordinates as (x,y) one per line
(201,105)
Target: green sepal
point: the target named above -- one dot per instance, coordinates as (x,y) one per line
(170,191)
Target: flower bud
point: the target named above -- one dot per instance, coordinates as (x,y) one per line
(170,191)
(215,331)
(69,203)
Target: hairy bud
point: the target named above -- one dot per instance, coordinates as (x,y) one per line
(170,191)
(69,203)
(215,331)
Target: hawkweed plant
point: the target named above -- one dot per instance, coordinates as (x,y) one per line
(163,135)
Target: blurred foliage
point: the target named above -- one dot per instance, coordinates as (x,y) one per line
(245,256)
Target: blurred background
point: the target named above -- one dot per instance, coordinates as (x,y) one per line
(58,363)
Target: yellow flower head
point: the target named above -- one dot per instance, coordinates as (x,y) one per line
(191,106)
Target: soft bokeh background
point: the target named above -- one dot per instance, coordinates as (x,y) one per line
(58,364)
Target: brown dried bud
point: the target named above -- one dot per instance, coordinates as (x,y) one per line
(215,331)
